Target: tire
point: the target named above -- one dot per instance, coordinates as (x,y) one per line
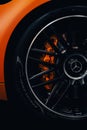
(19,79)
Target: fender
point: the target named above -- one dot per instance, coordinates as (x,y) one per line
(10,15)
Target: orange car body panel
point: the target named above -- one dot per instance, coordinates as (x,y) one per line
(10,15)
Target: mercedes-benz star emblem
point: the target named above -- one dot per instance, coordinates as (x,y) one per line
(76,66)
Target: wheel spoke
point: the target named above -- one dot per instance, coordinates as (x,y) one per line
(75,92)
(50,98)
(44,52)
(61,93)
(42,62)
(57,93)
(45,83)
(84,46)
(75,97)
(71,38)
(40,74)
(64,45)
(53,46)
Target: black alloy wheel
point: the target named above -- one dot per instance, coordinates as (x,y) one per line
(50,64)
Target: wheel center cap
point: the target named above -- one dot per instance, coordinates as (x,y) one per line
(75,66)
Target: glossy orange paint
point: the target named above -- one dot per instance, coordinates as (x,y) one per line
(10,15)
